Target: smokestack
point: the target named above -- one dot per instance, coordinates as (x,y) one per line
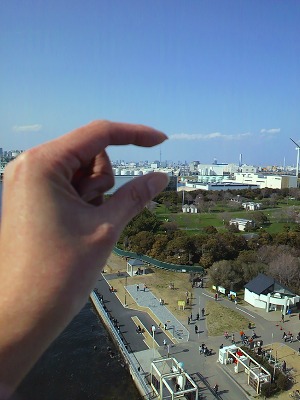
(241,160)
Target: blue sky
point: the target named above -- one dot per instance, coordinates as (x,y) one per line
(220,77)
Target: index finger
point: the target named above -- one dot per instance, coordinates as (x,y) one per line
(80,146)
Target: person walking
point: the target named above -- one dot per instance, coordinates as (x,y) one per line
(203,312)
(216,388)
(189,320)
(196,329)
(232,339)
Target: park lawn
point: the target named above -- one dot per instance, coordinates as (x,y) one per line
(157,281)
(220,319)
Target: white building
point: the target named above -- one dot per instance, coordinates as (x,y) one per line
(192,209)
(251,206)
(266,181)
(241,223)
(266,293)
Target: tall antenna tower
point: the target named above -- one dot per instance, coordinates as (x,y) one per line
(298,149)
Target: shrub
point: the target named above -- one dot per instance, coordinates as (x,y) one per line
(268,389)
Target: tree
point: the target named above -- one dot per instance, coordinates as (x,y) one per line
(210,230)
(180,249)
(159,246)
(286,269)
(224,273)
(142,242)
(144,221)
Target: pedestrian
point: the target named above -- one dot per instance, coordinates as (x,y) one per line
(203,312)
(165,343)
(196,329)
(216,296)
(189,320)
(232,339)
(282,318)
(226,335)
(165,326)
(137,287)
(216,388)
(291,339)
(197,317)
(191,316)
(144,288)
(283,366)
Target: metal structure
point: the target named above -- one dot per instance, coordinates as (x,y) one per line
(298,149)
(170,381)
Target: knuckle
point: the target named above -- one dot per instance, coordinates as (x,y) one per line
(109,232)
(23,165)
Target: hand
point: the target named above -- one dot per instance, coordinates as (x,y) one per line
(57,233)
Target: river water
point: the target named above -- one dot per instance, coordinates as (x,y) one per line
(78,366)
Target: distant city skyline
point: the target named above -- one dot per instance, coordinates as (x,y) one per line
(219,77)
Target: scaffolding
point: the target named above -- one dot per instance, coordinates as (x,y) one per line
(169,380)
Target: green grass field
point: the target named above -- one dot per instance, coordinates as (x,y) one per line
(195,223)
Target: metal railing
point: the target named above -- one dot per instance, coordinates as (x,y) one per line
(136,371)
(157,263)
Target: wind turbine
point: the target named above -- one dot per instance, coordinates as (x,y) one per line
(298,149)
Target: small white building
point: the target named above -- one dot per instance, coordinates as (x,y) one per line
(266,293)
(251,206)
(189,208)
(241,223)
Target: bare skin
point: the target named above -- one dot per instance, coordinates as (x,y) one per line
(57,233)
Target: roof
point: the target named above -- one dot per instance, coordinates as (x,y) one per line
(266,284)
(134,262)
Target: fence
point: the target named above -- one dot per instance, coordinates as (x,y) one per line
(157,263)
(130,359)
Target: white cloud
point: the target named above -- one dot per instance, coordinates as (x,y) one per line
(271,131)
(208,136)
(27,128)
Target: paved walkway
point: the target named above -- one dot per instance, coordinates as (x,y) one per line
(205,371)
(145,298)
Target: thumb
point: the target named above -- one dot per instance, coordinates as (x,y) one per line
(131,198)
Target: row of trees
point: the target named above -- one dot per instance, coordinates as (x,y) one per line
(281,262)
(207,200)
(229,258)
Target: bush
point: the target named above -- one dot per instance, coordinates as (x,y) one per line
(268,389)
(282,381)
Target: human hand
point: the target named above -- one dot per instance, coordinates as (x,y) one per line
(57,233)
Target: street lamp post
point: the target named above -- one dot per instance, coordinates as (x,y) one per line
(125,300)
(153,333)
